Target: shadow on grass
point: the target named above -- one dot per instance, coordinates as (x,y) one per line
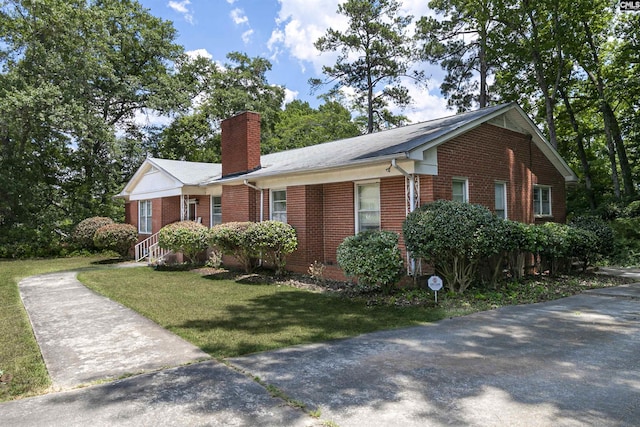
(288,318)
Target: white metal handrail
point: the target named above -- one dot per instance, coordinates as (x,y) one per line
(150,250)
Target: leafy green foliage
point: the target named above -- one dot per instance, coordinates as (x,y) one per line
(232,239)
(373,257)
(275,240)
(627,241)
(445,233)
(375,52)
(71,73)
(86,230)
(188,237)
(116,237)
(300,125)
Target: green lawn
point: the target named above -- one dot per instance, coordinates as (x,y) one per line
(20,356)
(226,318)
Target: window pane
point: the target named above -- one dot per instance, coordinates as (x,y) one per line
(368,207)
(459,191)
(279,205)
(500,205)
(216,210)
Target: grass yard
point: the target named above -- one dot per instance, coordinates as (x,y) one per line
(226,318)
(24,372)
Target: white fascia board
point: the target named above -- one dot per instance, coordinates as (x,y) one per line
(359,173)
(156,194)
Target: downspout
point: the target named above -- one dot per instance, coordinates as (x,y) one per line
(261,190)
(412,203)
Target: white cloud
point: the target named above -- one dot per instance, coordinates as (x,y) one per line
(231,1)
(239,17)
(193,54)
(181,7)
(299,24)
(290,95)
(246,36)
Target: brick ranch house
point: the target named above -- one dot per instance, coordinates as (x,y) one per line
(495,157)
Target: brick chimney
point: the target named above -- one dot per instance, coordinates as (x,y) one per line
(241,143)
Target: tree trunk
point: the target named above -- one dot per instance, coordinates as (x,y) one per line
(586,168)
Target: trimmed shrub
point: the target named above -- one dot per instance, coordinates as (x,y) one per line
(116,237)
(231,239)
(445,234)
(188,237)
(604,238)
(373,257)
(626,241)
(554,243)
(86,229)
(275,240)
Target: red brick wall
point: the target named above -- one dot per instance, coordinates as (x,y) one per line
(488,154)
(239,203)
(170,212)
(339,219)
(240,143)
(305,214)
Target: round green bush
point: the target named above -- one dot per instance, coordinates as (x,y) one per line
(604,243)
(188,237)
(275,240)
(373,257)
(446,233)
(231,238)
(116,237)
(86,229)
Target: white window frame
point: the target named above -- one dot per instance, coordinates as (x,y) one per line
(216,217)
(537,205)
(192,203)
(145,223)
(277,214)
(465,189)
(356,203)
(497,208)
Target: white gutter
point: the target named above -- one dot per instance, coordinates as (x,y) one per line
(412,203)
(261,190)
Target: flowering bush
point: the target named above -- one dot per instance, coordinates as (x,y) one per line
(274,240)
(231,239)
(86,229)
(188,237)
(116,237)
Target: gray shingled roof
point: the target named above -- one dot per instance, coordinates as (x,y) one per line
(189,173)
(365,148)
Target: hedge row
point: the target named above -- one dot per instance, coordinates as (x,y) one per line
(246,241)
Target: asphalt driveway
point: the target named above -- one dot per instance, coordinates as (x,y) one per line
(571,362)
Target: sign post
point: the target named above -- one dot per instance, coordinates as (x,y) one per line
(435,284)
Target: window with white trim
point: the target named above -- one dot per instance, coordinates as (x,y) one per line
(144,217)
(279,205)
(541,200)
(192,214)
(500,206)
(216,210)
(459,190)
(367,206)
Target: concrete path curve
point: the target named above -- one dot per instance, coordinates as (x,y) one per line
(569,362)
(86,337)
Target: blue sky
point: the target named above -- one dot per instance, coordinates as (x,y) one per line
(282,31)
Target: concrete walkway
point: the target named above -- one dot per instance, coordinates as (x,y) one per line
(86,337)
(570,362)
